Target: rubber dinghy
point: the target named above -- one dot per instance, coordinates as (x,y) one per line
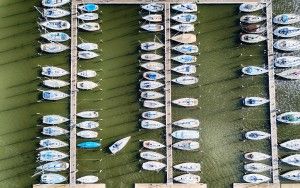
(151,144)
(188,123)
(292,160)
(153,17)
(255,178)
(57,25)
(152,27)
(55,13)
(51,71)
(88,114)
(293,175)
(185,80)
(88,179)
(119,145)
(252,38)
(188,167)
(256,156)
(251,7)
(54,131)
(51,155)
(87,74)
(54,95)
(254,70)
(287,31)
(185,18)
(153,166)
(56,36)
(52,143)
(185,7)
(151,124)
(289,118)
(53,47)
(186,134)
(153,66)
(257,167)
(251,19)
(152,104)
(54,83)
(291,144)
(89,7)
(185,69)
(88,125)
(88,46)
(288,45)
(183,27)
(257,135)
(55,166)
(54,119)
(51,178)
(292,74)
(254,101)
(186,145)
(151,155)
(152,114)
(151,95)
(186,48)
(287,61)
(186,102)
(188,179)
(153,7)
(285,19)
(54,3)
(150,46)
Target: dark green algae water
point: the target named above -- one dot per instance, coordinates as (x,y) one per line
(219,91)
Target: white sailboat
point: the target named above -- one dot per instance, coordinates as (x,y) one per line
(88,16)
(251,19)
(289,118)
(51,155)
(187,145)
(54,83)
(151,57)
(88,114)
(87,74)
(89,26)
(86,85)
(153,17)
(151,75)
(88,125)
(287,31)
(293,175)
(256,156)
(150,46)
(87,46)
(51,178)
(188,167)
(52,143)
(153,166)
(88,179)
(183,27)
(151,144)
(56,36)
(188,179)
(186,18)
(87,134)
(153,66)
(119,145)
(292,74)
(54,3)
(186,134)
(285,19)
(149,85)
(288,45)
(55,13)
(87,55)
(89,7)
(153,7)
(185,80)
(186,48)
(54,131)
(185,69)
(153,27)
(291,144)
(254,101)
(188,123)
(57,25)
(185,7)
(151,95)
(257,135)
(151,156)
(255,178)
(53,95)
(53,47)
(151,124)
(54,119)
(254,70)
(251,7)
(152,104)
(186,102)
(292,160)
(252,38)
(185,38)
(152,115)
(55,166)
(257,167)
(51,71)
(185,58)
(287,61)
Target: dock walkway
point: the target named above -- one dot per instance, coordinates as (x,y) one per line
(169,1)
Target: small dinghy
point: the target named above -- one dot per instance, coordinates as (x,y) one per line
(87,46)
(89,145)
(254,28)
(54,95)
(185,7)
(285,19)
(55,13)
(185,69)
(254,70)
(54,83)
(252,38)
(53,71)
(185,38)
(88,16)
(153,17)
(150,124)
(153,7)
(86,85)
(257,135)
(151,75)
(151,95)
(150,85)
(151,156)
(54,3)
(183,27)
(53,47)
(153,66)
(54,131)
(51,155)
(256,156)
(152,104)
(251,7)
(289,117)
(55,166)
(153,166)
(287,31)
(153,27)
(292,160)
(89,26)
(151,57)
(291,144)
(152,114)
(251,19)
(257,167)
(287,61)
(186,102)
(188,167)
(151,144)
(188,123)
(54,119)
(288,45)
(186,48)
(293,175)
(87,134)
(88,114)
(52,143)
(56,24)
(186,80)
(254,101)
(87,73)
(88,179)
(149,46)
(292,74)
(56,36)
(89,7)
(185,58)
(186,145)
(186,134)
(188,179)
(52,178)
(255,178)
(88,125)
(185,18)
(119,145)
(87,55)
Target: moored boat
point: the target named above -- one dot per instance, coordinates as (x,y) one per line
(253,70)
(254,28)
(185,7)
(153,166)
(119,145)
(54,119)
(186,102)
(257,167)
(254,101)
(89,26)
(150,124)
(88,46)
(51,155)
(186,145)
(151,155)
(151,57)
(87,54)
(88,16)
(52,143)
(151,75)
(287,31)
(51,71)
(188,179)
(186,38)
(86,85)
(291,144)
(54,131)
(153,17)
(153,7)
(87,73)
(51,178)
(292,74)
(89,145)
(89,7)
(185,80)
(54,3)
(251,7)
(188,167)
(186,18)
(53,47)
(250,19)
(88,179)
(151,95)
(293,175)
(54,83)
(187,123)
(148,85)
(256,156)
(56,36)
(289,118)
(186,134)
(152,114)
(151,144)
(288,45)
(152,104)
(287,61)
(153,27)
(255,178)
(292,160)
(149,46)
(185,58)
(257,135)
(56,24)
(88,125)
(185,69)
(186,48)
(55,13)
(53,95)
(88,114)
(153,66)
(252,38)
(87,134)
(183,27)
(285,19)
(55,166)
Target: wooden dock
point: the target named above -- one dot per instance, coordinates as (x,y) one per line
(272,97)
(168,98)
(175,185)
(168,1)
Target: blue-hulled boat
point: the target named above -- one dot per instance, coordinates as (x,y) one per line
(89,145)
(90,7)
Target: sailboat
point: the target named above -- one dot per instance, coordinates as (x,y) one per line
(153,17)
(87,73)
(186,102)
(51,71)
(289,118)
(51,178)
(186,134)
(254,70)
(53,95)
(292,160)
(153,166)
(87,55)
(53,47)
(54,119)
(151,57)
(185,58)
(251,7)
(257,135)
(257,167)
(186,145)
(52,143)
(183,27)
(89,26)
(188,167)
(54,131)
(88,46)
(151,95)
(153,66)
(150,46)
(51,155)
(287,61)
(252,38)
(88,16)
(89,145)
(54,3)
(153,7)
(285,19)
(185,80)
(292,74)
(119,145)
(151,156)
(287,31)
(152,104)
(89,7)
(55,166)
(86,85)
(55,13)
(54,83)
(254,28)
(153,27)
(88,114)
(186,18)
(56,24)
(255,178)
(291,144)
(288,45)
(151,75)
(185,7)
(88,125)
(188,179)
(149,85)
(88,179)
(87,134)
(251,19)
(152,115)
(186,48)
(56,36)
(256,156)
(254,101)
(185,38)
(188,123)
(185,69)
(151,144)
(151,124)
(293,175)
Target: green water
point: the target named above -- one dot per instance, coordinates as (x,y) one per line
(219,91)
